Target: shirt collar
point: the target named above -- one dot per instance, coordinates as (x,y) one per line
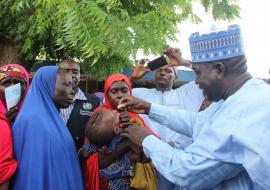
(79,95)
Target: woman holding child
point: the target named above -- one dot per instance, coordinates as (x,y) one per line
(110,167)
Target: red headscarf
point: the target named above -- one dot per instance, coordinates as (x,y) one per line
(13,70)
(108,83)
(92,171)
(8,164)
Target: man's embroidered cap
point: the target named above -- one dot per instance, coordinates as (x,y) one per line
(218,45)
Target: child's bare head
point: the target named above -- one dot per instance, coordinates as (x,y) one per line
(101,126)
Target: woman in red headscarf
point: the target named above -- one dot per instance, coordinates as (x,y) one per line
(104,171)
(12,74)
(9,75)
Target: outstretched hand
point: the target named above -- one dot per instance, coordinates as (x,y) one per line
(139,71)
(175,57)
(136,134)
(133,104)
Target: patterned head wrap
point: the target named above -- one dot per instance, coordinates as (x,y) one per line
(11,71)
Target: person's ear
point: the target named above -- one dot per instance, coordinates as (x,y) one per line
(174,69)
(175,78)
(220,68)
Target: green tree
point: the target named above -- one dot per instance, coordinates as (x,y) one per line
(103,34)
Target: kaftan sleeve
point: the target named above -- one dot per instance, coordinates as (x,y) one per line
(176,119)
(187,169)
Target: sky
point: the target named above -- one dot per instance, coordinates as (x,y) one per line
(255,14)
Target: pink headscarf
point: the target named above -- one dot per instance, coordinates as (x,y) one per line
(13,70)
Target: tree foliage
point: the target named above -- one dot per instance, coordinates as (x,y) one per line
(103,34)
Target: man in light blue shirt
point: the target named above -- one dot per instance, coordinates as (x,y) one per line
(187,97)
(230,148)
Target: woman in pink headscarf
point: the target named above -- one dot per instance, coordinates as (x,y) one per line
(9,75)
(12,74)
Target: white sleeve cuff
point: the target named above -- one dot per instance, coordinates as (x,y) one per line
(148,144)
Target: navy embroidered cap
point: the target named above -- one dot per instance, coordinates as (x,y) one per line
(216,45)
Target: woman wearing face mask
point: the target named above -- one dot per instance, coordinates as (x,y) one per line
(9,75)
(12,74)
(110,167)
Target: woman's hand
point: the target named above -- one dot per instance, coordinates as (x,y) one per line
(124,118)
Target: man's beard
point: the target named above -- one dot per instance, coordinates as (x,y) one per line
(213,93)
(164,86)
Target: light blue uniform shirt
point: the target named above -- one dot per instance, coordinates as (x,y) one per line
(197,167)
(187,97)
